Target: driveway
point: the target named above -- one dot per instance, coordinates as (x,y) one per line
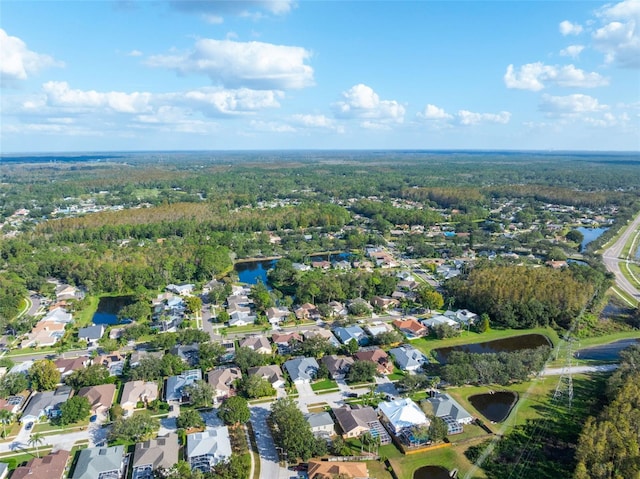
(269,462)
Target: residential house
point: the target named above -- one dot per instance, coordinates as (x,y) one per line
(189,353)
(211,285)
(338,366)
(91,334)
(402,414)
(45,404)
(322,264)
(321,424)
(4,470)
(378,328)
(48,330)
(259,344)
(134,392)
(462,316)
(68,366)
(100,463)
(444,406)
(222,380)
(137,356)
(12,403)
(100,397)
(184,289)
(338,309)
(114,362)
(355,421)
(51,466)
(284,341)
(438,320)
(301,370)
(159,453)
(408,284)
(378,356)
(241,316)
(206,449)
(21,368)
(384,302)
(307,311)
(351,333)
(408,358)
(322,333)
(411,328)
(277,315)
(328,470)
(65,292)
(271,373)
(174,390)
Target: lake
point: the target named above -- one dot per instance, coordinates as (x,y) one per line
(514,343)
(494,406)
(108,308)
(606,352)
(590,234)
(250,272)
(431,472)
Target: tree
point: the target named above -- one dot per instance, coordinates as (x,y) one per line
(438,429)
(430,298)
(261,297)
(189,418)
(574,236)
(139,427)
(443,331)
(351,347)
(5,417)
(13,383)
(200,394)
(92,375)
(247,358)
(254,387)
(138,311)
(74,409)
(292,431)
(485,324)
(209,355)
(362,371)
(36,440)
(193,304)
(234,410)
(44,375)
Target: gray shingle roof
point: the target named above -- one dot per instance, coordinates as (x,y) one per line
(94,461)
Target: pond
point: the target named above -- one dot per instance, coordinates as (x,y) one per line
(606,352)
(251,272)
(108,308)
(589,234)
(431,472)
(514,343)
(495,406)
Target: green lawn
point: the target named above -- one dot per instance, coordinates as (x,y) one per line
(48,427)
(85,317)
(324,384)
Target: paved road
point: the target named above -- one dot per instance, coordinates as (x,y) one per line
(269,462)
(612,259)
(602,368)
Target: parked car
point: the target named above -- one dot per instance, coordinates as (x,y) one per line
(93,418)
(28,426)
(352,395)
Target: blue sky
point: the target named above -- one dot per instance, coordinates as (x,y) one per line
(264,74)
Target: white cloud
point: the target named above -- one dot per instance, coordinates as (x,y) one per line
(317,121)
(466,117)
(60,95)
(568,28)
(134,53)
(570,104)
(17,62)
(608,120)
(245,8)
(432,112)
(534,76)
(229,102)
(619,36)
(271,126)
(214,19)
(572,51)
(254,65)
(360,101)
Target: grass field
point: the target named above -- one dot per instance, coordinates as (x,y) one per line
(324,385)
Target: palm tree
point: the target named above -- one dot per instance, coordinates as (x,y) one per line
(5,417)
(36,440)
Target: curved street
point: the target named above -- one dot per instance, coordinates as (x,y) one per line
(612,259)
